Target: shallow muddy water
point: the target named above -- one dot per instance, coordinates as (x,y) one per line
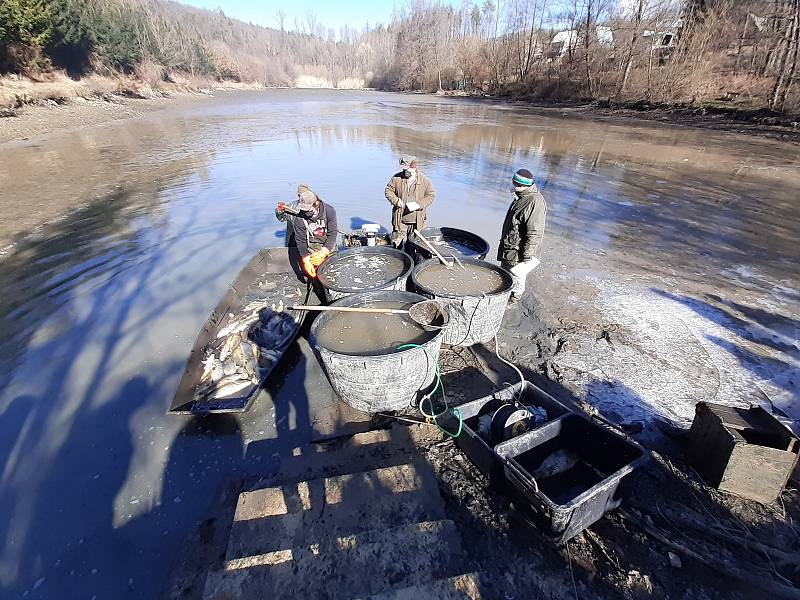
(364,334)
(469,280)
(681,243)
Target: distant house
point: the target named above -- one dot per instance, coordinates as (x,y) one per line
(605,37)
(562,42)
(664,40)
(661,39)
(569,38)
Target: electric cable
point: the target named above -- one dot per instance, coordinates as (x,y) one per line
(433,416)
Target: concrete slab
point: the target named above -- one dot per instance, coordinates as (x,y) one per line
(345,567)
(360,452)
(336,420)
(294,515)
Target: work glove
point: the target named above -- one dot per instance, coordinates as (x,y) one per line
(312,261)
(412,206)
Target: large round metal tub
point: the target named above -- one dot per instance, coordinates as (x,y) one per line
(381,382)
(448,241)
(473,319)
(364,269)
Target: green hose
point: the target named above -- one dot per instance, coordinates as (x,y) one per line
(434,416)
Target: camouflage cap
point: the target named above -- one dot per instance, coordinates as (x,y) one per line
(307,198)
(408,162)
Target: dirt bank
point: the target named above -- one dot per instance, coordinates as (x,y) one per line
(715,116)
(49,117)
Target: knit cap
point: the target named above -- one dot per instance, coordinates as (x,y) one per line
(523,177)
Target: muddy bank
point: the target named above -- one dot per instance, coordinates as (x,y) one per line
(713,116)
(762,123)
(34,121)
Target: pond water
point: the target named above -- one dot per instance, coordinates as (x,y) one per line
(100,307)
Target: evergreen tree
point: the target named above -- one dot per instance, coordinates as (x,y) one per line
(25,28)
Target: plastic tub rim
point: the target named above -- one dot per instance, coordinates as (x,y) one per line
(362,298)
(592,491)
(463,233)
(408,263)
(507,276)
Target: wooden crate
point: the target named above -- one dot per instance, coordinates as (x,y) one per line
(745,451)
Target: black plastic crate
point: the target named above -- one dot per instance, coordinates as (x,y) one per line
(568,501)
(479,451)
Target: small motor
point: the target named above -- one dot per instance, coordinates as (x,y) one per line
(508,421)
(371,232)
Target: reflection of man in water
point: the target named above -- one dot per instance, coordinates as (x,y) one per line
(523,230)
(410,194)
(311,228)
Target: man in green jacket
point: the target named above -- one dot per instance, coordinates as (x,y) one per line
(410,193)
(523,230)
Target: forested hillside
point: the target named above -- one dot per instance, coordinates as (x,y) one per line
(156,38)
(743,53)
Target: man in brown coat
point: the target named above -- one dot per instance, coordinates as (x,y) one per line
(410,193)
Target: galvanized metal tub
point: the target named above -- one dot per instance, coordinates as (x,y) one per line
(473,319)
(382,382)
(394,282)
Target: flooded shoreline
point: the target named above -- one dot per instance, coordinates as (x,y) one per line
(669,274)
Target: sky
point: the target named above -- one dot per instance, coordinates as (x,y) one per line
(354,13)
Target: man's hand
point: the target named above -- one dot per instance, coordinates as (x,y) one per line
(318,257)
(281,208)
(308,266)
(311,261)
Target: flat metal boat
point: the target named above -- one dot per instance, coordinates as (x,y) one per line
(269,269)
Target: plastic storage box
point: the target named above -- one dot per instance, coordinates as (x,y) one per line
(599,464)
(479,451)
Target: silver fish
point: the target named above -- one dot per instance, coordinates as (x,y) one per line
(556,462)
(229,346)
(229,367)
(230,389)
(213,369)
(248,358)
(270,355)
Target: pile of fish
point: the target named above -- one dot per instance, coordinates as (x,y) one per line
(245,349)
(450,247)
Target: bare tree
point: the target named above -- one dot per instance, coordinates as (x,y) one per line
(787,63)
(634,36)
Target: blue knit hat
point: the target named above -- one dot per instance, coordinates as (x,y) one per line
(523,177)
